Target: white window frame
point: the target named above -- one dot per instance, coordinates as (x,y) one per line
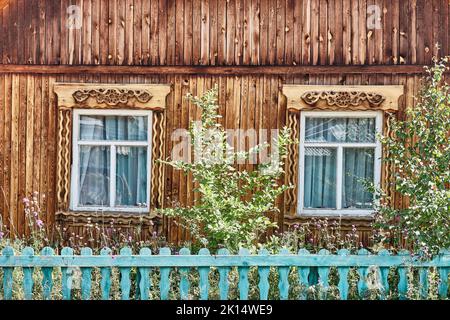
(378,115)
(74,196)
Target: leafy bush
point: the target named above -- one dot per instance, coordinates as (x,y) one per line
(231,208)
(419,149)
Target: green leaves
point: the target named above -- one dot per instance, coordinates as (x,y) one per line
(419,149)
(231,210)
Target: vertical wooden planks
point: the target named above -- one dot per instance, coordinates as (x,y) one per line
(179,32)
(171,12)
(3,141)
(188,33)
(137,33)
(14,176)
(212,50)
(87,32)
(346,33)
(21,165)
(222,33)
(162,37)
(29,144)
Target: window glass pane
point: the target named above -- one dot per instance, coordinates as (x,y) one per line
(96,127)
(131,178)
(320,178)
(340,129)
(94,176)
(358,167)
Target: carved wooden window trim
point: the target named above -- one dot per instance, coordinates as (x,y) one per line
(70,96)
(334,98)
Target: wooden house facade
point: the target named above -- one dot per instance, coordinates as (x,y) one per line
(276,62)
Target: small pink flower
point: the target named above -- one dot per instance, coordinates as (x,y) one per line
(39,223)
(1,234)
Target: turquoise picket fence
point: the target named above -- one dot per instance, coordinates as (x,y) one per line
(306,265)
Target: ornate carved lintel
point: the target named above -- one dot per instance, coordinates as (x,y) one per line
(306,97)
(112,96)
(343,99)
(133,96)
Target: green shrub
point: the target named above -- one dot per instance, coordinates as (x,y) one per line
(419,150)
(230,211)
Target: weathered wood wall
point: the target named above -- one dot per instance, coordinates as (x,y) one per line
(213,32)
(28,132)
(190,33)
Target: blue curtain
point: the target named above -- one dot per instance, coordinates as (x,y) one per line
(320,163)
(320,178)
(131,161)
(358,167)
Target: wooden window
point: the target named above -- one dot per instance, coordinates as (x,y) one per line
(111,160)
(336,103)
(338,149)
(79,106)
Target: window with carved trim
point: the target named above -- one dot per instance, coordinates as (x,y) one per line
(339,152)
(111,160)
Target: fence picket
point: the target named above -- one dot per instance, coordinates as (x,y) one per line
(105,282)
(283,272)
(47,275)
(403,277)
(323,274)
(164,284)
(343,276)
(86,276)
(263,273)
(223,277)
(125,282)
(204,276)
(243,277)
(443,274)
(423,280)
(303,275)
(144,277)
(244,261)
(184,277)
(384,273)
(28,275)
(66,274)
(362,271)
(8,274)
